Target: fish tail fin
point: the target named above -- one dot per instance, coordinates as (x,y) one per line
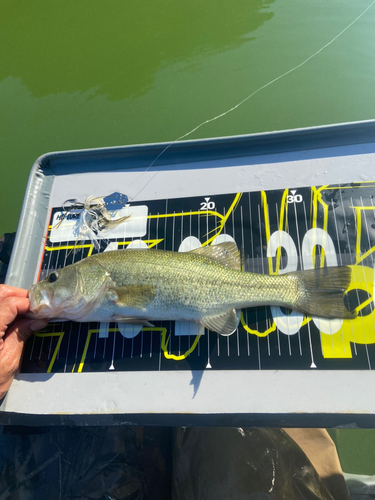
(322,292)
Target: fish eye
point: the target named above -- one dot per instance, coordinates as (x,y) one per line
(53,277)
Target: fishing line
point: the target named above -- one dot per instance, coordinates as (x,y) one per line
(249,97)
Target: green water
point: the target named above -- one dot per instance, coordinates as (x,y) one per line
(104,73)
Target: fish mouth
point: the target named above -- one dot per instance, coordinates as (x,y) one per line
(40,301)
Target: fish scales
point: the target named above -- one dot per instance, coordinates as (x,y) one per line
(194,282)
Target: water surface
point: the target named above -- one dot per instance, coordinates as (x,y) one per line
(90,74)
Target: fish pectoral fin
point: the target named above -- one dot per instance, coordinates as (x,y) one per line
(137,296)
(226,253)
(133,321)
(225,324)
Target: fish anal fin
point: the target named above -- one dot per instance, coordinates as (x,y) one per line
(225,253)
(136,296)
(225,324)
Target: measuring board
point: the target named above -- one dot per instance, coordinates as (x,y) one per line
(279,231)
(290,200)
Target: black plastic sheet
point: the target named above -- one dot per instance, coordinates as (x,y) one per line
(253,464)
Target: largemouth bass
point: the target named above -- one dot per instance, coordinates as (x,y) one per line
(205,285)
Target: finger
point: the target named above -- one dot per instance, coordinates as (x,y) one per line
(22,330)
(12,291)
(10,309)
(11,351)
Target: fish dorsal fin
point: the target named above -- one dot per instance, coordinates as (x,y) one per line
(225,324)
(137,296)
(225,253)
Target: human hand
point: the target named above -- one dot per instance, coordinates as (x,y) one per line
(14,331)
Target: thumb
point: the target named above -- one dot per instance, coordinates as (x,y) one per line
(11,349)
(16,336)
(12,344)
(24,328)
